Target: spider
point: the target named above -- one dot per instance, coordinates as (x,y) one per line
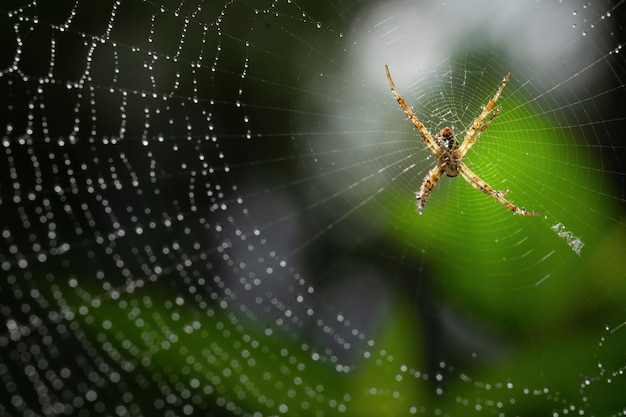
(450,154)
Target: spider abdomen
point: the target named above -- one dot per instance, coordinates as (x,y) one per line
(446,139)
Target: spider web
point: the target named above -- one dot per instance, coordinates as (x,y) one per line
(208,208)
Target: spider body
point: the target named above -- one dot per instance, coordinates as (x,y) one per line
(450,153)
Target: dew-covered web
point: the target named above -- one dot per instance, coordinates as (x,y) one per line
(208,208)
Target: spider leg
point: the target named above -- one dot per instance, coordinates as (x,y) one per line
(428,139)
(430,181)
(481,185)
(468,142)
(476,130)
